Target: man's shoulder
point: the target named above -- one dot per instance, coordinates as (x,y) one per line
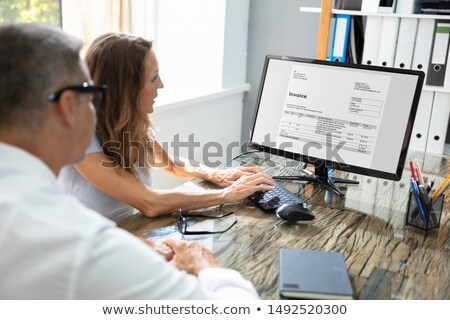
(63,214)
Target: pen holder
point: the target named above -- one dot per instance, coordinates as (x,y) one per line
(432,213)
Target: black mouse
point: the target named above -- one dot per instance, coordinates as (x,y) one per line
(294,212)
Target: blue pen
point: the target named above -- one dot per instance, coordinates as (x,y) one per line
(415,191)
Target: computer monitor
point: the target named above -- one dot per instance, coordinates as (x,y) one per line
(355,118)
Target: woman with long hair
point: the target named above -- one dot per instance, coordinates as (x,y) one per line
(115,175)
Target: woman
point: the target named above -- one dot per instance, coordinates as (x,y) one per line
(115,177)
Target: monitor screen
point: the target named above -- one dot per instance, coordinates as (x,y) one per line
(355,118)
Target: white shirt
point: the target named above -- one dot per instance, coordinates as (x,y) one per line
(53,247)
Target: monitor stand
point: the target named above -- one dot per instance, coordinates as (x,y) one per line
(321,177)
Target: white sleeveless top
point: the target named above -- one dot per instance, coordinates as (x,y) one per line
(74,184)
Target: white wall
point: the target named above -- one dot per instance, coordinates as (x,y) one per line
(235,42)
(276,27)
(214,121)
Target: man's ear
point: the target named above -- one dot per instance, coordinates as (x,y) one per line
(66,108)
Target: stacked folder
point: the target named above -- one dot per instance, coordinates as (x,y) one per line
(348,39)
(405,41)
(340,39)
(418,44)
(437,69)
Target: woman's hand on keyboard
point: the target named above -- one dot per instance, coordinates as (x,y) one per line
(227,177)
(247,185)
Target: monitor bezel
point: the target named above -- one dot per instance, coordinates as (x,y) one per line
(333,164)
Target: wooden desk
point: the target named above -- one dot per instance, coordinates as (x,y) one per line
(385,258)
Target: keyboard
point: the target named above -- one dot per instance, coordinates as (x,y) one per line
(272,199)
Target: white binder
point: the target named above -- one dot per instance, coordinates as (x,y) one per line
(438,123)
(405,43)
(419,135)
(372,40)
(422,48)
(388,41)
(447,71)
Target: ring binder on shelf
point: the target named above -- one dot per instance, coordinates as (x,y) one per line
(388,41)
(340,39)
(405,43)
(438,61)
(372,40)
(419,135)
(438,123)
(430,54)
(422,48)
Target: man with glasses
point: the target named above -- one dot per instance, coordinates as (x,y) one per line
(52,247)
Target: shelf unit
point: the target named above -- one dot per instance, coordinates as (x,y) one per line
(322,45)
(376,14)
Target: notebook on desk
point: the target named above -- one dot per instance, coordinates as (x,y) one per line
(313,275)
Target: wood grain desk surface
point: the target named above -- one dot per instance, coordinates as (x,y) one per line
(385,258)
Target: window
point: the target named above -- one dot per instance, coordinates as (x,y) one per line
(43,11)
(190,46)
(201,45)
(189,36)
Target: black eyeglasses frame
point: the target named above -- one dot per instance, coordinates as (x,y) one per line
(182,223)
(83,88)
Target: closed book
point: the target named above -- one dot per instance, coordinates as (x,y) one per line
(313,275)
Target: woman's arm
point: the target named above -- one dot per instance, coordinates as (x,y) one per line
(122,185)
(183,169)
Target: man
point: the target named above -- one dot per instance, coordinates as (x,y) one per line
(52,247)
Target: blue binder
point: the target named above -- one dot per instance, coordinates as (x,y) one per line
(340,38)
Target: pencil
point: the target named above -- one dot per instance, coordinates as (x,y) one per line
(419,172)
(441,187)
(413,170)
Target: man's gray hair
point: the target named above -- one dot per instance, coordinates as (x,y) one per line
(33,59)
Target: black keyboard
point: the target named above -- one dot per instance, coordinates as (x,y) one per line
(272,199)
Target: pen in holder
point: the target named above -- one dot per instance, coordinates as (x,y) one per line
(428,216)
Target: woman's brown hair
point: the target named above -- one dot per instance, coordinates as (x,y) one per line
(118,60)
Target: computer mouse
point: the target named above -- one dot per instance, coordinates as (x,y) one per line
(294,212)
